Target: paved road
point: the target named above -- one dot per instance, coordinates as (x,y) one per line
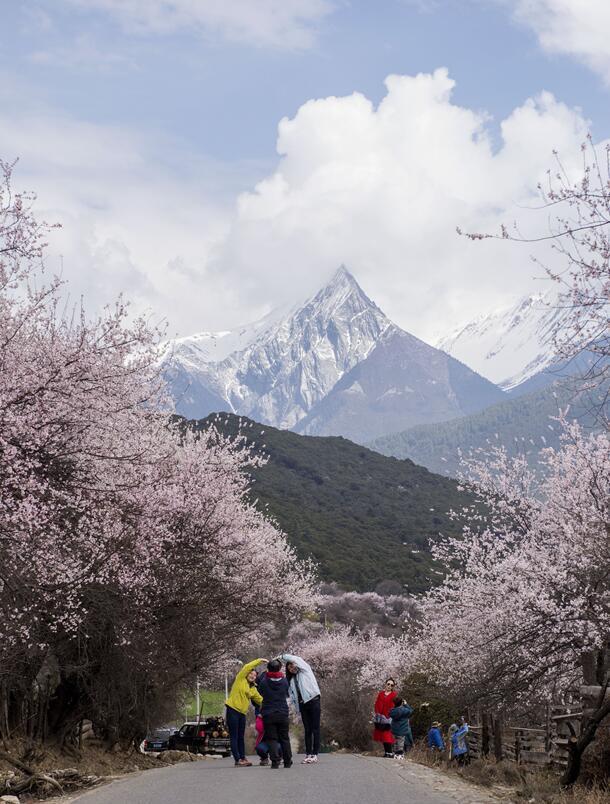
(336,779)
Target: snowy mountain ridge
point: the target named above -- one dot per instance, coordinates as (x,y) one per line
(276,369)
(508,345)
(334,365)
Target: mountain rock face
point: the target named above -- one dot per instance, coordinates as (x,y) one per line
(334,365)
(510,345)
(403,382)
(284,364)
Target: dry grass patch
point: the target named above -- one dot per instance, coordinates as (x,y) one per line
(535,786)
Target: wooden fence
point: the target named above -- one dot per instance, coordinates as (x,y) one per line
(526,746)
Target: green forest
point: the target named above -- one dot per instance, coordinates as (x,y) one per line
(523,424)
(362,516)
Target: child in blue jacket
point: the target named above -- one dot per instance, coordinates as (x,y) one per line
(435,738)
(401,728)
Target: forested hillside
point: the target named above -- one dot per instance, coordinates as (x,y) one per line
(523,424)
(362,516)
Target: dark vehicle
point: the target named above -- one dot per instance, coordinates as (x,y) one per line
(210,735)
(158,740)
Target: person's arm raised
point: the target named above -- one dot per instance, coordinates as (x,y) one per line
(249,667)
(300,662)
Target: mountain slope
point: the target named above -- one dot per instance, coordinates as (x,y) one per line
(287,366)
(508,345)
(522,424)
(334,365)
(364,517)
(403,382)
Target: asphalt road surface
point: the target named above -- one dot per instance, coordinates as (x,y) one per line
(336,779)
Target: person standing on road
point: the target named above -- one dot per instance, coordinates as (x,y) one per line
(401,728)
(274,690)
(243,693)
(305,695)
(382,732)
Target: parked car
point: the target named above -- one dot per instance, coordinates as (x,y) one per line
(158,740)
(209,735)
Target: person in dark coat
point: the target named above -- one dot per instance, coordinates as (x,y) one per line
(401,728)
(274,690)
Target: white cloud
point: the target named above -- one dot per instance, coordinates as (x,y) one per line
(129,216)
(383,189)
(275,23)
(580,28)
(378,188)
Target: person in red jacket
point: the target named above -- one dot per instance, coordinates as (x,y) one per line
(381,719)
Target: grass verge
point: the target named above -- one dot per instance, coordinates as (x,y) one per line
(536,785)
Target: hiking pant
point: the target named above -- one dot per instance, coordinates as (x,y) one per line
(399,744)
(310,715)
(237,728)
(276,735)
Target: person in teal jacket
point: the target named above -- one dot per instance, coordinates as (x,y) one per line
(401,728)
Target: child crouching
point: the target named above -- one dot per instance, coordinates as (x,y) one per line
(262,747)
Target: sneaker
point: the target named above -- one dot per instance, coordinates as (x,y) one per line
(399,756)
(243,763)
(275,765)
(264,762)
(313,759)
(306,761)
(288,764)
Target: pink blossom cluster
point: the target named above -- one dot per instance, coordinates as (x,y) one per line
(527,594)
(362,660)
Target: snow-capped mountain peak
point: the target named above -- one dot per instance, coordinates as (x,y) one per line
(510,344)
(275,369)
(333,365)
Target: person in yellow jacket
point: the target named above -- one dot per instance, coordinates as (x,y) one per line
(243,693)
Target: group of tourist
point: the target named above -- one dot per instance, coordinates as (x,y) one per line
(269,692)
(392,728)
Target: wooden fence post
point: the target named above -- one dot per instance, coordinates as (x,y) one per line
(498,732)
(485,734)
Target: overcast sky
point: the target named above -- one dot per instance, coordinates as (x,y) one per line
(214,158)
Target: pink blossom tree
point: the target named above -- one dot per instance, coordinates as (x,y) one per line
(524,610)
(131,558)
(350,666)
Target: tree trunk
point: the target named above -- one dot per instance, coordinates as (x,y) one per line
(485,734)
(578,745)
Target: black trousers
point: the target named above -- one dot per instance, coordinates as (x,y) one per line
(310,715)
(276,734)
